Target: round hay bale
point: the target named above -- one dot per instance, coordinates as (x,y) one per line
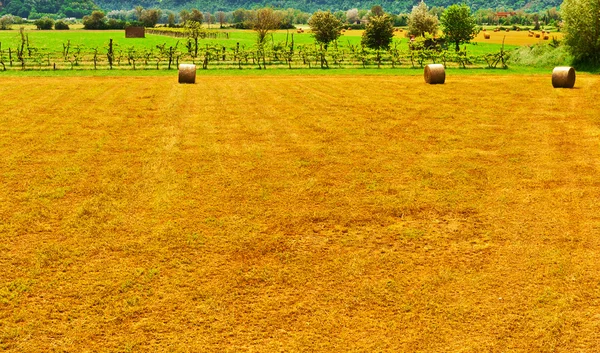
(435,73)
(187,73)
(563,77)
(537,35)
(486,36)
(546,38)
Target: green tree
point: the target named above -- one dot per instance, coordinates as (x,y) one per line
(325,26)
(378,34)
(458,25)
(196,16)
(582,29)
(265,20)
(149,18)
(44,23)
(61,25)
(6,22)
(94,21)
(376,11)
(421,21)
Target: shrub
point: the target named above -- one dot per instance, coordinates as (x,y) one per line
(44,23)
(541,55)
(61,25)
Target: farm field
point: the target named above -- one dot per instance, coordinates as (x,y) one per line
(299,213)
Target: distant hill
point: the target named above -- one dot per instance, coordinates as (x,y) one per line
(68,8)
(394,6)
(78,8)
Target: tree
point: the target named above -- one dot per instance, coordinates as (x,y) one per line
(196,16)
(61,25)
(378,34)
(221,18)
(6,22)
(44,23)
(149,18)
(377,10)
(94,21)
(265,20)
(421,21)
(184,16)
(352,16)
(582,29)
(171,19)
(458,25)
(325,27)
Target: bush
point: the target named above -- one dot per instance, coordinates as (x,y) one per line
(61,25)
(355,26)
(44,23)
(6,22)
(115,24)
(542,55)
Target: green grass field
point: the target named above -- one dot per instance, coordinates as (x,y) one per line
(54,40)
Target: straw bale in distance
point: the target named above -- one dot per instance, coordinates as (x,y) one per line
(486,35)
(187,73)
(563,77)
(435,73)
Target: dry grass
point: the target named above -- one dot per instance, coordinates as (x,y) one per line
(513,37)
(262,214)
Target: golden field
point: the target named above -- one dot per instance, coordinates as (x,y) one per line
(511,37)
(289,214)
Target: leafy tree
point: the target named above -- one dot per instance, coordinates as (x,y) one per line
(6,22)
(377,10)
(378,33)
(221,18)
(265,20)
(94,21)
(582,29)
(44,23)
(196,16)
(352,16)
(61,25)
(325,27)
(149,18)
(458,25)
(171,19)
(184,16)
(421,21)
(193,31)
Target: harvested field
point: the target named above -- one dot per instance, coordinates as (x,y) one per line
(264,214)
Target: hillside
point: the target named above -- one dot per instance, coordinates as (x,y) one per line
(78,8)
(395,6)
(68,8)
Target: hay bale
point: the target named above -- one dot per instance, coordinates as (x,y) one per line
(187,73)
(537,35)
(435,73)
(486,36)
(546,37)
(563,77)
